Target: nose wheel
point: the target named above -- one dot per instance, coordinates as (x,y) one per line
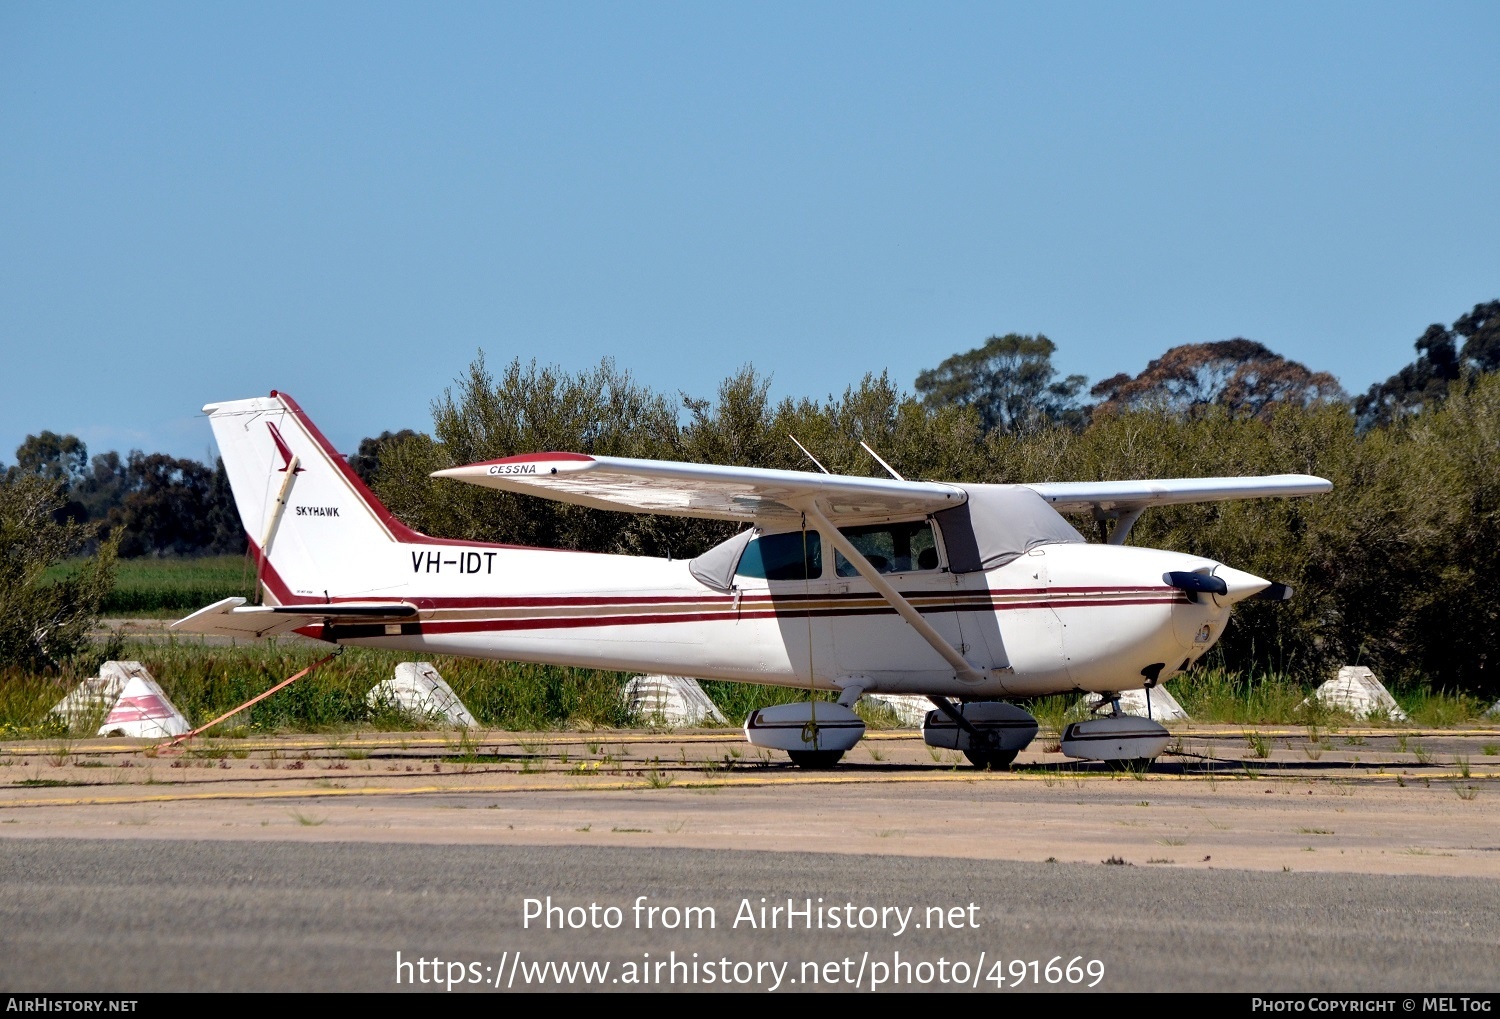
(815,760)
(991,760)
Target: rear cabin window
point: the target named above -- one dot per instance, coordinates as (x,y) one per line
(781,557)
(891,548)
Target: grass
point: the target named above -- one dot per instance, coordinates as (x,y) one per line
(162,587)
(205,681)
(737,700)
(1250,698)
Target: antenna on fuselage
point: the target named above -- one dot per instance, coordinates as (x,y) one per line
(888,468)
(805,453)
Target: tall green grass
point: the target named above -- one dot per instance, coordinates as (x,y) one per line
(736,700)
(205,681)
(1278,698)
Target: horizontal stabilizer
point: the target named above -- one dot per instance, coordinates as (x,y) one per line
(233,618)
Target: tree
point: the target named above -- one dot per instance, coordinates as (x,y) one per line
(168,507)
(1009,381)
(366,463)
(58,458)
(1242,376)
(228,533)
(529,408)
(45,623)
(102,490)
(1438,366)
(1480,329)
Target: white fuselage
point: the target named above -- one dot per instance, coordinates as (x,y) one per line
(1063,617)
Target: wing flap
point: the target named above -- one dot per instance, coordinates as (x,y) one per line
(233,618)
(1076,496)
(751,494)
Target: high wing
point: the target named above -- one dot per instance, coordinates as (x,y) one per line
(1078,496)
(770,496)
(704,490)
(233,618)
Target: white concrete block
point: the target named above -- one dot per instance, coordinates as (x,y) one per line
(670,701)
(417,689)
(910,709)
(1356,690)
(1163,706)
(129,701)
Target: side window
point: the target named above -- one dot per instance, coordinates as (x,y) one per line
(780,557)
(891,548)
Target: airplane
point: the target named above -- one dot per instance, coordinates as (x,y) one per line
(975,596)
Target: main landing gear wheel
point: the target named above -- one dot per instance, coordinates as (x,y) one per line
(815,760)
(1130,765)
(991,760)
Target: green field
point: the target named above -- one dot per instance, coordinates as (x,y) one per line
(165,587)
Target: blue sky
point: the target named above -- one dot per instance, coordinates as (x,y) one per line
(205,201)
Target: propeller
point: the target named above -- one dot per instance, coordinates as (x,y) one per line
(1276,592)
(1227,586)
(1195,583)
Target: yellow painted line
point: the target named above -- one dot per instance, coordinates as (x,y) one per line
(386,741)
(1220,732)
(462,743)
(737,781)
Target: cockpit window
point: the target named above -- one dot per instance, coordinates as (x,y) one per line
(781,557)
(891,548)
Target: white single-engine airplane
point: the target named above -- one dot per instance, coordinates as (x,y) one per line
(970,595)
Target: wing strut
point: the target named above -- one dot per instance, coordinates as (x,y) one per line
(1124,521)
(966,672)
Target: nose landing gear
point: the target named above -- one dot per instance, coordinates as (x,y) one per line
(1124,742)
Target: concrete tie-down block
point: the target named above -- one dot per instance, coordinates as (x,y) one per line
(910,709)
(1356,690)
(418,690)
(1161,707)
(129,701)
(671,701)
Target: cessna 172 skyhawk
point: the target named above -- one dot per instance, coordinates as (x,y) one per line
(971,595)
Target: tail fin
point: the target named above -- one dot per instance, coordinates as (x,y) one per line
(300,502)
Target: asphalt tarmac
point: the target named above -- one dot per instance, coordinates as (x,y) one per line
(1271,861)
(128,915)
